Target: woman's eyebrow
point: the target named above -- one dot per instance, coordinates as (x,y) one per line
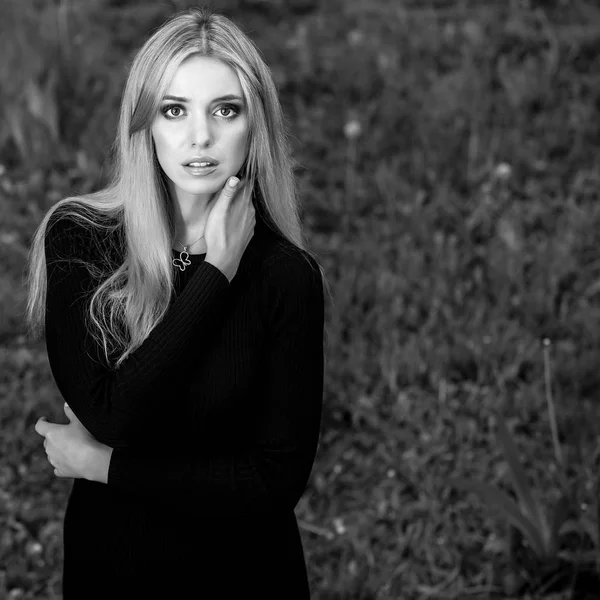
(219,99)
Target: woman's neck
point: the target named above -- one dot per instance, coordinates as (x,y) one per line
(198,247)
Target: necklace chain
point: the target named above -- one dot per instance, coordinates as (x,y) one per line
(186,246)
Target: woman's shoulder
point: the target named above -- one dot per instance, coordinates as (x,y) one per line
(284,254)
(287,266)
(69,222)
(291,285)
(62,223)
(73,236)
(65,234)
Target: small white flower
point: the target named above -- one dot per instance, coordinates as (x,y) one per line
(503,171)
(338,523)
(34,548)
(384,61)
(473,32)
(352,129)
(449,30)
(355,37)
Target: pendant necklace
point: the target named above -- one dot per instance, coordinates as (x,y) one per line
(182,262)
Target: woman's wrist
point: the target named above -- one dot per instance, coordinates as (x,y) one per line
(99,463)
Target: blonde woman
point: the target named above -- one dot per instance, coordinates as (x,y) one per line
(184,325)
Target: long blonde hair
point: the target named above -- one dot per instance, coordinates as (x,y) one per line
(133,298)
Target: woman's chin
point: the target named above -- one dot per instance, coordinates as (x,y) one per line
(202,187)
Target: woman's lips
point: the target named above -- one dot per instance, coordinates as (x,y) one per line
(200,171)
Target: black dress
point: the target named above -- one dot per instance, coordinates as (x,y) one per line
(214,421)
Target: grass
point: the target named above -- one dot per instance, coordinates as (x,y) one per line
(448,163)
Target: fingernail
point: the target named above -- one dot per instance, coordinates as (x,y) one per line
(233,181)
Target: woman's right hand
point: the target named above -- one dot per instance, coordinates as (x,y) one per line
(230,227)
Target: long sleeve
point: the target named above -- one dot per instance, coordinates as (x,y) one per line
(274,468)
(111,403)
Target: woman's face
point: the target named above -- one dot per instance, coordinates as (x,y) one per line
(202,119)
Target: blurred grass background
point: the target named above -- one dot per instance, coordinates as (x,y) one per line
(448,165)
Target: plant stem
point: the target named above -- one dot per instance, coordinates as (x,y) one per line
(551,410)
(62,21)
(350,183)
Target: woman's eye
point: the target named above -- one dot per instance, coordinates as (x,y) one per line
(230,111)
(172,111)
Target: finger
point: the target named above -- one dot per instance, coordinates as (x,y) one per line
(70,414)
(41,426)
(46,429)
(231,187)
(56,472)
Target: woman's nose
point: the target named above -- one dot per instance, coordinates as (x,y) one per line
(201,133)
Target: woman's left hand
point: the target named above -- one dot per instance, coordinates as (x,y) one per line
(72,450)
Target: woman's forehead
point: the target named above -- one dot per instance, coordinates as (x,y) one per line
(203,79)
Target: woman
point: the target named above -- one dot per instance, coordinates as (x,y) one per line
(184,325)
